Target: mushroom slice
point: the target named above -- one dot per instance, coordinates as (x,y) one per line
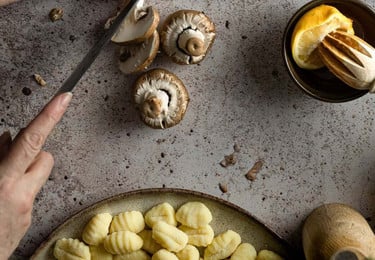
(134,58)
(138,26)
(161,98)
(187,35)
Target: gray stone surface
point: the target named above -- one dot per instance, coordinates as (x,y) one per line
(314,152)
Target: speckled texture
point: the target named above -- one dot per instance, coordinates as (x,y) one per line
(313,152)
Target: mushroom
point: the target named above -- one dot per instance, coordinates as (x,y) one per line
(187,35)
(136,27)
(161,98)
(134,58)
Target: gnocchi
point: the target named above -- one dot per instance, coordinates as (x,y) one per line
(202,236)
(128,221)
(168,236)
(244,251)
(136,255)
(122,242)
(71,249)
(194,214)
(99,253)
(222,246)
(174,235)
(97,229)
(149,244)
(163,254)
(188,253)
(162,212)
(268,255)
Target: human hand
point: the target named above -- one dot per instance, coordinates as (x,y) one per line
(24,168)
(6,2)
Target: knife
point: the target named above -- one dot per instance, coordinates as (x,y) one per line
(90,57)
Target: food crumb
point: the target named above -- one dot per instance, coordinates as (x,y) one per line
(252,173)
(40,80)
(229,160)
(236,148)
(56,14)
(26,91)
(223,187)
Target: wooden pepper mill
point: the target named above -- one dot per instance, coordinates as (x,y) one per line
(337,232)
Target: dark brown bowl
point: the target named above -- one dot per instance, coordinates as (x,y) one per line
(322,84)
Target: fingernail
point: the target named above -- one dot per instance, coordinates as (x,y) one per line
(66,98)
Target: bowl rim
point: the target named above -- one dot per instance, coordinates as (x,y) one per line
(289,60)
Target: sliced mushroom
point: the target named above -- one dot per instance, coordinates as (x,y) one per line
(138,26)
(161,98)
(134,58)
(187,35)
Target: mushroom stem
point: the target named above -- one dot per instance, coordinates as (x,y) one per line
(192,42)
(137,12)
(155,104)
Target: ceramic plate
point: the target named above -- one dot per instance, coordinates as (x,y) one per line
(225,216)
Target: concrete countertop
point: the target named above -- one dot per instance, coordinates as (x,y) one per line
(313,152)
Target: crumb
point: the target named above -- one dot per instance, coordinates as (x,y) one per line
(236,148)
(252,173)
(223,187)
(26,91)
(227,24)
(56,14)
(40,80)
(229,160)
(110,21)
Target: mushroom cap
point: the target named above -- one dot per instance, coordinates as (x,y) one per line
(187,35)
(161,98)
(137,57)
(139,25)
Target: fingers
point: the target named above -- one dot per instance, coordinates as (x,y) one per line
(28,143)
(5,141)
(38,172)
(5,2)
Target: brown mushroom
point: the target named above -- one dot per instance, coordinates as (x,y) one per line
(138,26)
(134,58)
(161,98)
(187,35)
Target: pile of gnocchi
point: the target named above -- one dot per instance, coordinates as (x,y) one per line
(161,234)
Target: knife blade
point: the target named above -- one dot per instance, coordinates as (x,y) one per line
(93,53)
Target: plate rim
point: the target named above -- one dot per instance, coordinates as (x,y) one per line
(180,191)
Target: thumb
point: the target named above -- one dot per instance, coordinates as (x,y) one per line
(6,2)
